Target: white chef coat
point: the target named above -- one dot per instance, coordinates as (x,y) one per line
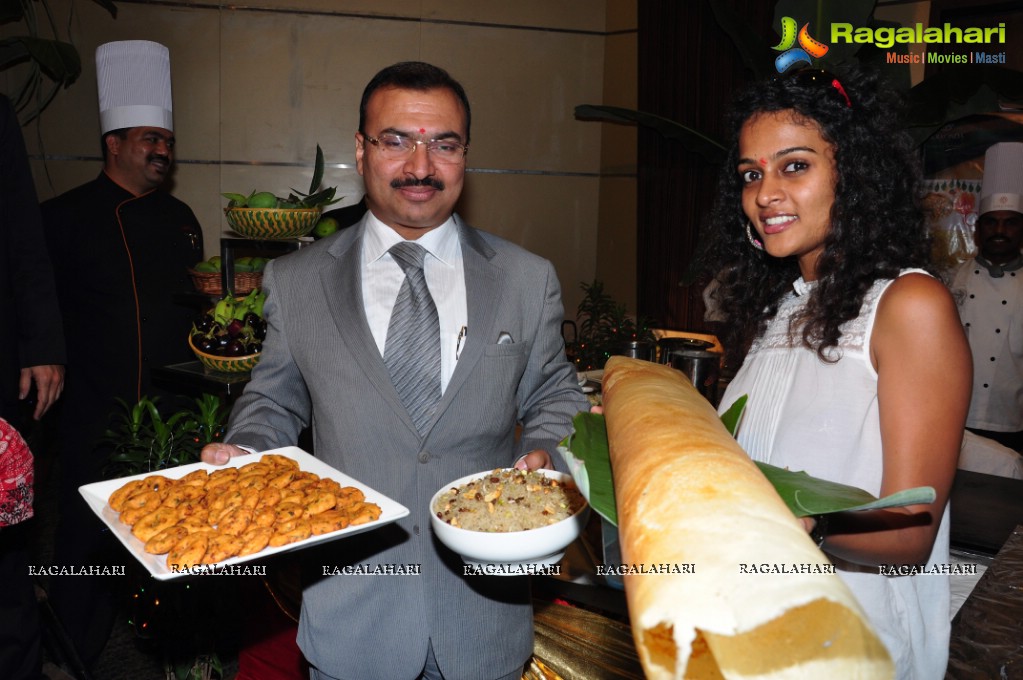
(991,310)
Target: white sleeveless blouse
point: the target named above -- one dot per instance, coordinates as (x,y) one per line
(805,414)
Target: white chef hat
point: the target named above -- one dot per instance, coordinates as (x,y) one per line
(1003,178)
(134,85)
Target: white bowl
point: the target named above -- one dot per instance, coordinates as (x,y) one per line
(511,551)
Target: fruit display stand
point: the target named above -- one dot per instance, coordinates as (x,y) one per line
(230,244)
(191,378)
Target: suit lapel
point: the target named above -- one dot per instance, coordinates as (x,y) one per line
(343,287)
(483,292)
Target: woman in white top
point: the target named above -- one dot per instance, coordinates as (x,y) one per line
(856,366)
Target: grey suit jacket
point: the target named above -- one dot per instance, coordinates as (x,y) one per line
(321,365)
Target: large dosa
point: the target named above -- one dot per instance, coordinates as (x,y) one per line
(688,495)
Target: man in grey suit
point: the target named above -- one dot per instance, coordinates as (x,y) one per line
(327,362)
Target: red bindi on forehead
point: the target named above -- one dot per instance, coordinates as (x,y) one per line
(422,131)
(763,162)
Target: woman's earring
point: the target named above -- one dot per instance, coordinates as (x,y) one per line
(753,240)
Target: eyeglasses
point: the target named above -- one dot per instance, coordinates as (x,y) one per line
(393,146)
(816,78)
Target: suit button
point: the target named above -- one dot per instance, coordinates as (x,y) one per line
(424,457)
(415,529)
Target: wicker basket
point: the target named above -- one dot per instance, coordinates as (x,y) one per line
(225,364)
(272,224)
(209,282)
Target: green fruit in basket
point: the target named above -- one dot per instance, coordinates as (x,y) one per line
(235,200)
(263,199)
(214,262)
(253,302)
(259,263)
(205,267)
(224,311)
(325,227)
(242,267)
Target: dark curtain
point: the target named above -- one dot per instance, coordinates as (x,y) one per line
(688,70)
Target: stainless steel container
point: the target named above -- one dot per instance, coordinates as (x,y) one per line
(668,347)
(637,349)
(703,368)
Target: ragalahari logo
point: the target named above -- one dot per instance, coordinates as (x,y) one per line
(807,50)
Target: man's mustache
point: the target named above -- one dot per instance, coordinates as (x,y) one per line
(154,156)
(414,182)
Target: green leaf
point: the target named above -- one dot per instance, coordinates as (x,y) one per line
(589,458)
(236,199)
(806,495)
(325,197)
(587,455)
(11,10)
(959,91)
(317,171)
(710,149)
(730,418)
(108,6)
(58,60)
(755,53)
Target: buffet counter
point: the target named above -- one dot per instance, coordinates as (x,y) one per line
(987,631)
(985,511)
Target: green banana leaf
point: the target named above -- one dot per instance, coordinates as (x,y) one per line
(588,457)
(730,418)
(586,454)
(806,495)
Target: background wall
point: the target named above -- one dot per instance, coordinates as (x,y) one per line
(257,87)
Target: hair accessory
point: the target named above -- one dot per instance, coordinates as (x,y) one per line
(817,78)
(753,240)
(841,90)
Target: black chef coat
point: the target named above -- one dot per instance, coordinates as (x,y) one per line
(118,260)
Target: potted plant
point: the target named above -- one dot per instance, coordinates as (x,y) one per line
(144,440)
(55,59)
(603,325)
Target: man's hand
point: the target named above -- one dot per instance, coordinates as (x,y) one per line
(219,454)
(49,381)
(534,460)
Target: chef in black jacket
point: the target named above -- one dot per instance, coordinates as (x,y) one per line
(121,248)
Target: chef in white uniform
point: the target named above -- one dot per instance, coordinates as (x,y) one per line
(989,290)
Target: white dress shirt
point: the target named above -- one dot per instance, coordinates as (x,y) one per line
(445,277)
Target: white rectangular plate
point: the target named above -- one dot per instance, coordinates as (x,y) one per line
(96,496)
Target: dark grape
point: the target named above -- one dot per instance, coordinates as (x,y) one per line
(234,349)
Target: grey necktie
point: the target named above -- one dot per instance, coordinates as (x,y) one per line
(412,348)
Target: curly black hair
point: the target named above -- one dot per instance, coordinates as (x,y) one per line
(876,226)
